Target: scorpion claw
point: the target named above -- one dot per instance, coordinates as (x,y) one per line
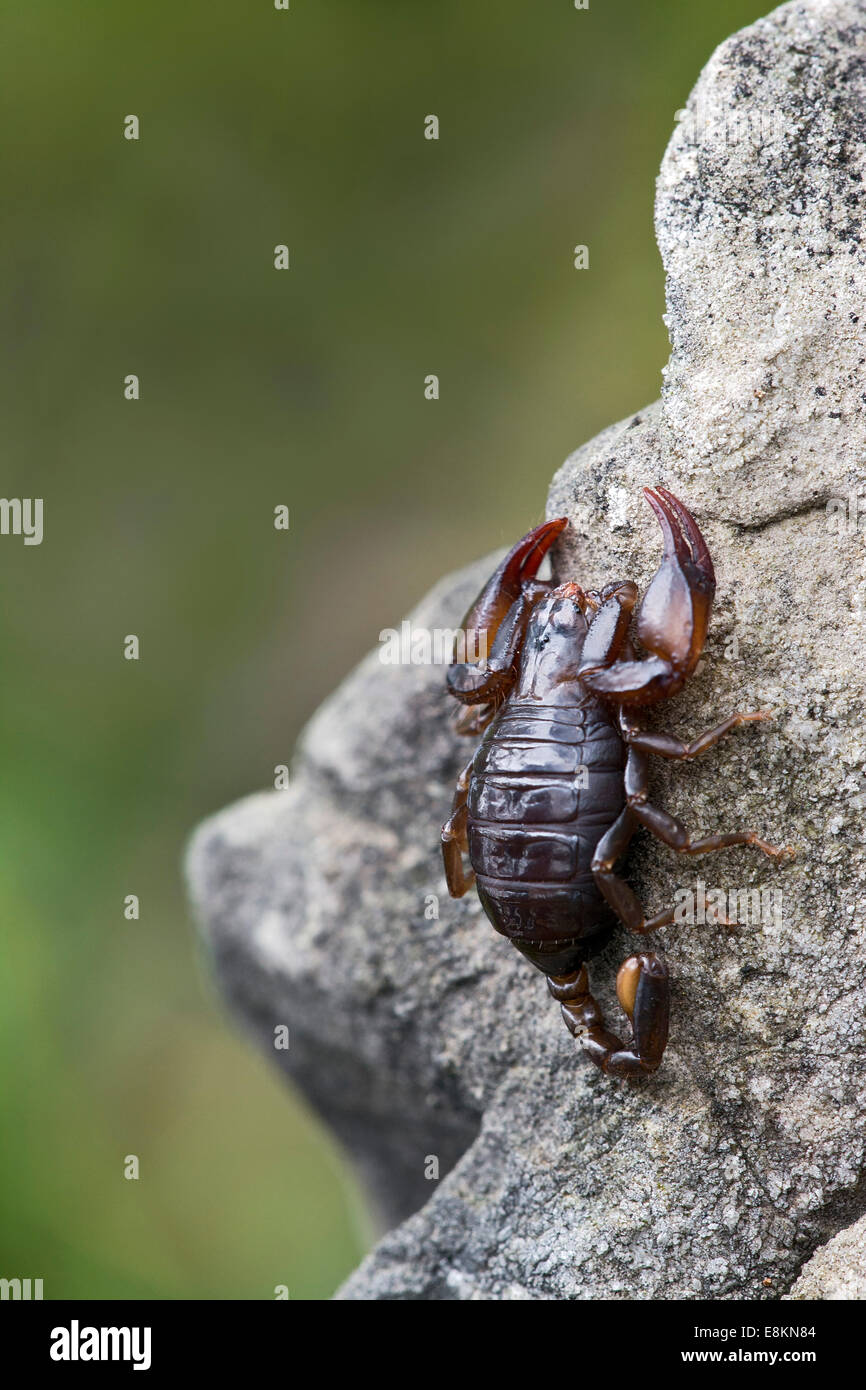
(505,584)
(673,618)
(672,623)
(478,672)
(688,544)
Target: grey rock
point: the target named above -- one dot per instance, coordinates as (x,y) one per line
(420,1036)
(837,1271)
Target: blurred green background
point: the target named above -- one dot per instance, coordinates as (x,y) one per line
(261,387)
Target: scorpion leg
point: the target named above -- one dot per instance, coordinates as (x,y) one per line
(454,839)
(664,826)
(473,719)
(615,889)
(669,746)
(671,831)
(643,990)
(614,843)
(674,834)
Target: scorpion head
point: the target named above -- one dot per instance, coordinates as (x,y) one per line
(554,642)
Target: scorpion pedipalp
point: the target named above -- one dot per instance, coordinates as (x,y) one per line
(494,625)
(673,617)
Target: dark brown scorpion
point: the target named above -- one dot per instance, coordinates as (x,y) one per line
(558,785)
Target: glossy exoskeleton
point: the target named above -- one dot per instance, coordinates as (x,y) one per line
(558,785)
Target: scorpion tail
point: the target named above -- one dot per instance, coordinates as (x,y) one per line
(643,989)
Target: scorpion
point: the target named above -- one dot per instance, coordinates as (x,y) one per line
(559,783)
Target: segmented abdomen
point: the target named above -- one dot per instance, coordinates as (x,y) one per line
(547,782)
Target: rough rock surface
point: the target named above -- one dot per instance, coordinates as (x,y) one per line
(837,1270)
(419,1035)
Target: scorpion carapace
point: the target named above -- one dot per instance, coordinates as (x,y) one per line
(558,785)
